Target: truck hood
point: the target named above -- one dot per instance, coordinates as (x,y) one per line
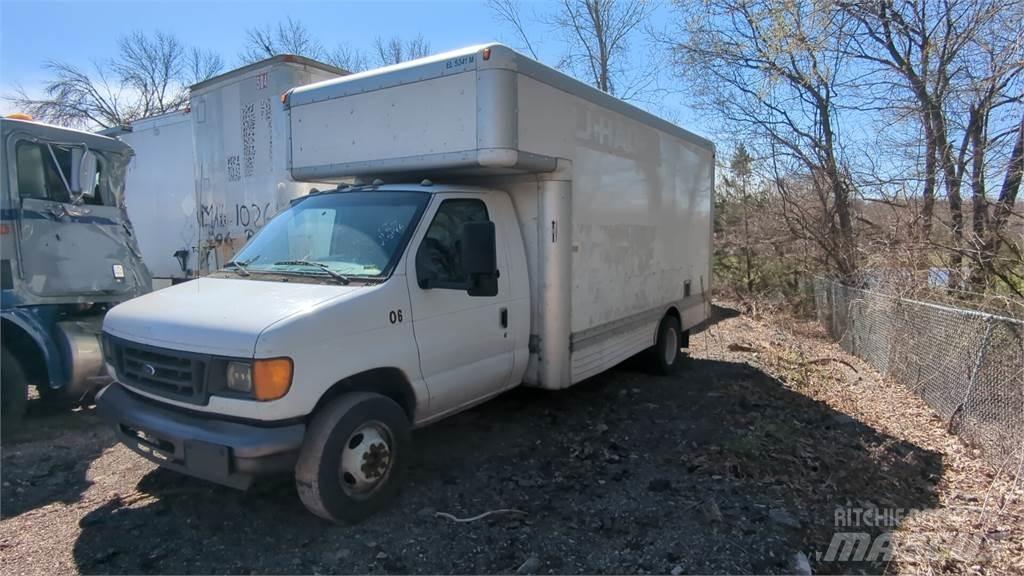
(220,316)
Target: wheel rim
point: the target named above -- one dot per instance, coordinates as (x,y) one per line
(671,346)
(365,460)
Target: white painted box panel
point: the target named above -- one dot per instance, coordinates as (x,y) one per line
(160,191)
(427,117)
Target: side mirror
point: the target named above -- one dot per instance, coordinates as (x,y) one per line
(479,258)
(83,171)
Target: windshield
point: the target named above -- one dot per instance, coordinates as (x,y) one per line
(348,233)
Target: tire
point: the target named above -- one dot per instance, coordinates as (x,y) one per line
(354,457)
(13,390)
(56,400)
(665,356)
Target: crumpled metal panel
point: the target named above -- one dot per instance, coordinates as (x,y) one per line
(68,253)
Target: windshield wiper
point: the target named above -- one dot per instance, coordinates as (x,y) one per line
(339,277)
(239,268)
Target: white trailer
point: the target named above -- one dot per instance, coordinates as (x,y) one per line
(203,180)
(520,228)
(160,194)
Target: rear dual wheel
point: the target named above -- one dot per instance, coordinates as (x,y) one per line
(354,458)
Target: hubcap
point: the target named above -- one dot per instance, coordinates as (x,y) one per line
(671,346)
(366,459)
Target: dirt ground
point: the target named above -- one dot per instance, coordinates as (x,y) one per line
(736,465)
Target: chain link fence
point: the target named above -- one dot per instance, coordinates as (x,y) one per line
(967,365)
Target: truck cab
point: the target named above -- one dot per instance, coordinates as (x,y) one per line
(414,295)
(68,254)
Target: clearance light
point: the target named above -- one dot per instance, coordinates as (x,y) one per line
(19,116)
(487,54)
(271,378)
(284,97)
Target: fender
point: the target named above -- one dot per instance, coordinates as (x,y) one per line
(36,322)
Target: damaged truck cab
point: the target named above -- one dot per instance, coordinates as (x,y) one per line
(67,254)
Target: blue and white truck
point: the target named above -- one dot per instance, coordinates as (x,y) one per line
(67,254)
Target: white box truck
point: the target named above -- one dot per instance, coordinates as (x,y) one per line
(203,180)
(520,227)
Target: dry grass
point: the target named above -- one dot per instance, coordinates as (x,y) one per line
(978,526)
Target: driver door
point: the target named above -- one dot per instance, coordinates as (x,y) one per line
(465,342)
(67,248)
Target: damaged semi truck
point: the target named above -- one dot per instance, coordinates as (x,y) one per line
(67,254)
(514,226)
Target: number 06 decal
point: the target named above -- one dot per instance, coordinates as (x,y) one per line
(395,316)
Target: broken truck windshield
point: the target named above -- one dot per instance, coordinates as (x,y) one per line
(45,173)
(346,234)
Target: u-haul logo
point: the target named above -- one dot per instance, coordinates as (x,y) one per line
(606,131)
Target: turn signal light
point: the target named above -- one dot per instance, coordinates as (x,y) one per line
(271,378)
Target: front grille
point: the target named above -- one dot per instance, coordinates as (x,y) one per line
(170,373)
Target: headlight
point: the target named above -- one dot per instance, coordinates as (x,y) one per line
(239,377)
(264,379)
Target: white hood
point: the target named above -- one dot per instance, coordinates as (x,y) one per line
(221,316)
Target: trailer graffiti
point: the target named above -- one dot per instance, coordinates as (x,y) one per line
(266,113)
(234,169)
(249,138)
(218,225)
(252,217)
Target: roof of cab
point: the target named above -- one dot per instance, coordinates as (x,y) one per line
(62,134)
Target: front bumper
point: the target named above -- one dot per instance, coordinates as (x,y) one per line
(229,453)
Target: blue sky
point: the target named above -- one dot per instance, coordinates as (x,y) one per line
(79,32)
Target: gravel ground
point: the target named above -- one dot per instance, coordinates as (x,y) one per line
(730,466)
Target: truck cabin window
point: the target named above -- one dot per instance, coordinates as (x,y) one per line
(44,173)
(355,234)
(439,259)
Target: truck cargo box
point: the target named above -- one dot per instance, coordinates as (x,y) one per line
(614,203)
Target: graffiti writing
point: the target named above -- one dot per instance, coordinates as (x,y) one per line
(219,224)
(249,138)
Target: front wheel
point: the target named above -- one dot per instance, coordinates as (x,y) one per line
(13,390)
(665,356)
(354,457)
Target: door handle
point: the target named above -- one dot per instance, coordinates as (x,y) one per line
(504,317)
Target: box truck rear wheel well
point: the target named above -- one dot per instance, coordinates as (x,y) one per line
(685,336)
(389,382)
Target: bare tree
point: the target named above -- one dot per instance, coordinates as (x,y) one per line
(508,11)
(348,58)
(597,38)
(770,72)
(288,37)
(201,65)
(955,62)
(602,29)
(394,50)
(150,75)
(153,67)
